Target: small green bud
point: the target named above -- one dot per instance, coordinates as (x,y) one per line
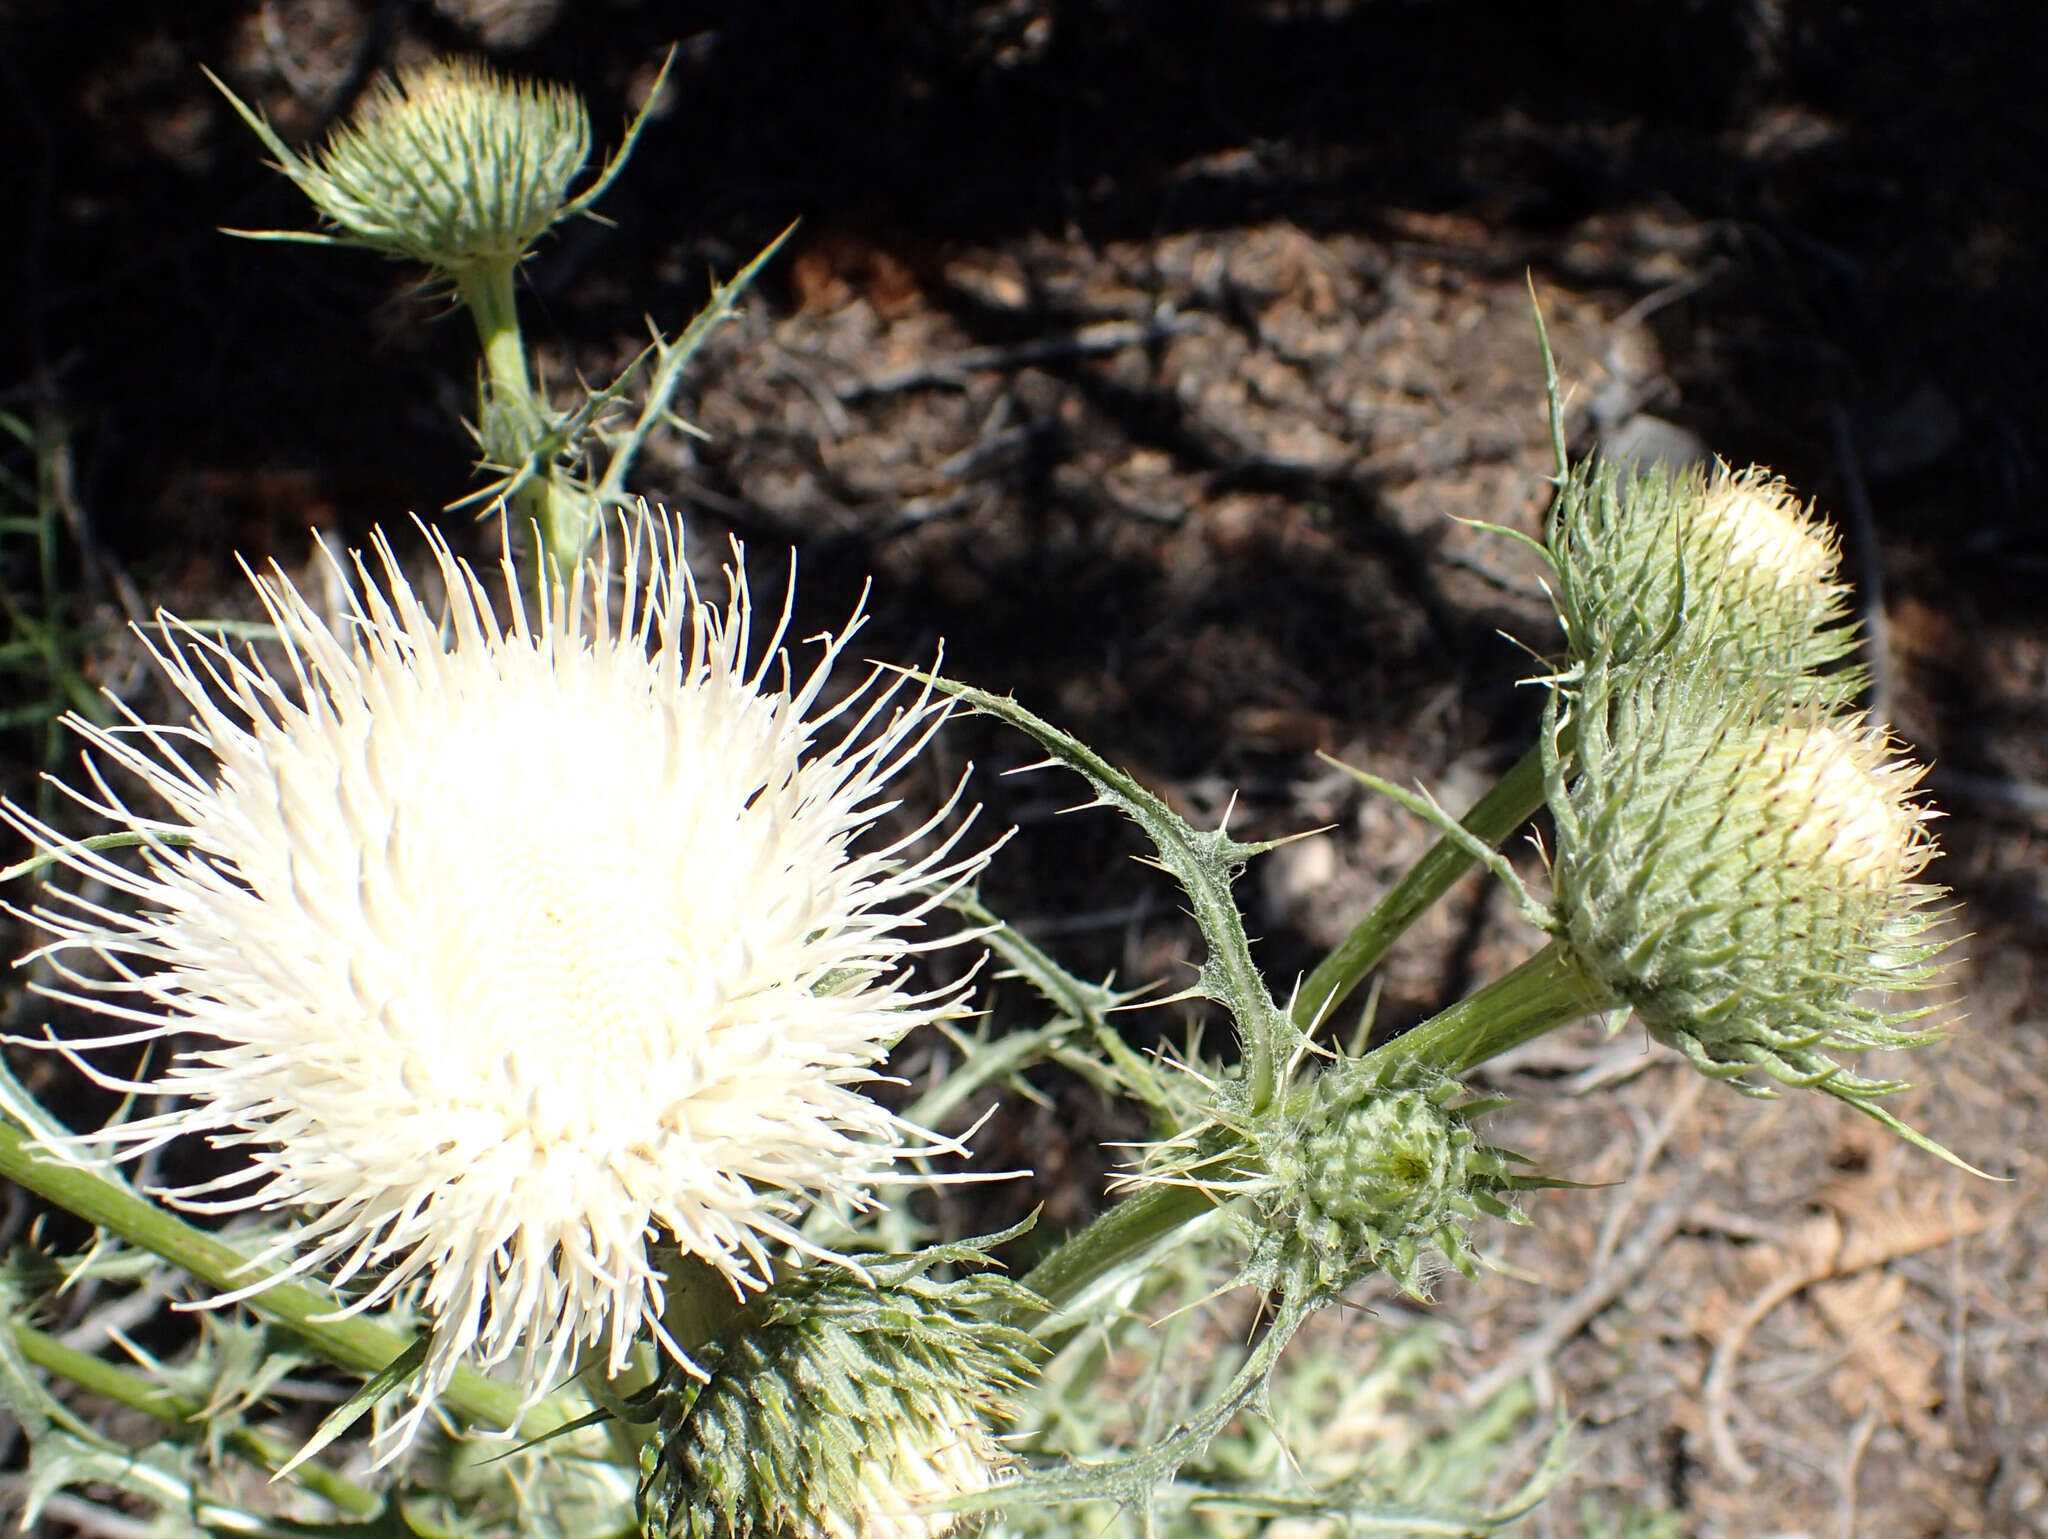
(1372,1176)
(1727,571)
(1743,879)
(839,1410)
(446,163)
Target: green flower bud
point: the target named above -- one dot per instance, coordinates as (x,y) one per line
(1744,880)
(839,1410)
(1727,571)
(449,164)
(1370,1176)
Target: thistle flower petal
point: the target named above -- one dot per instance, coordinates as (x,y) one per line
(512,944)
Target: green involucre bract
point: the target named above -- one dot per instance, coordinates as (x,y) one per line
(842,1410)
(446,163)
(1726,571)
(1743,877)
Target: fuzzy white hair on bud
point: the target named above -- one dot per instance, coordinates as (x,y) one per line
(1761,537)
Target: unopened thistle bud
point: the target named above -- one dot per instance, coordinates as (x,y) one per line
(839,1410)
(1360,1168)
(446,163)
(1376,1177)
(1745,881)
(1728,571)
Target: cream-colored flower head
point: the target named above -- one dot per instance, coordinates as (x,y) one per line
(506,946)
(1726,571)
(447,163)
(1748,881)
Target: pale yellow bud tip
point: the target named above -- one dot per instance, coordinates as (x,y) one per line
(1762,537)
(1847,805)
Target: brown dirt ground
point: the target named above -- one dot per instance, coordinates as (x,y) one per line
(1148,352)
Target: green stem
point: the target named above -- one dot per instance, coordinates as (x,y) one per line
(561,516)
(1496,815)
(1122,1234)
(98,1376)
(360,1344)
(1545,992)
(488,292)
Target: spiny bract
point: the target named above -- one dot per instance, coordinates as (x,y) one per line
(1745,878)
(445,163)
(1379,1175)
(1725,571)
(837,1409)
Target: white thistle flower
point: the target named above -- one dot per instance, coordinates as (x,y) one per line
(512,946)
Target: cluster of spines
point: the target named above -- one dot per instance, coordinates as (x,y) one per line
(1383,1175)
(841,1406)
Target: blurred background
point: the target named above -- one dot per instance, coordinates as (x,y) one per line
(1149,353)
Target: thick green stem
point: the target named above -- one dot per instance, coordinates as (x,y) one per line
(1122,1234)
(1545,992)
(111,1382)
(1496,815)
(360,1344)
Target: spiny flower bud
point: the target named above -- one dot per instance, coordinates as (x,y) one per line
(447,163)
(1377,1176)
(839,1410)
(1728,570)
(1741,879)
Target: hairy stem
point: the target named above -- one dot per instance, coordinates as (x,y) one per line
(1545,992)
(1122,1234)
(487,291)
(514,420)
